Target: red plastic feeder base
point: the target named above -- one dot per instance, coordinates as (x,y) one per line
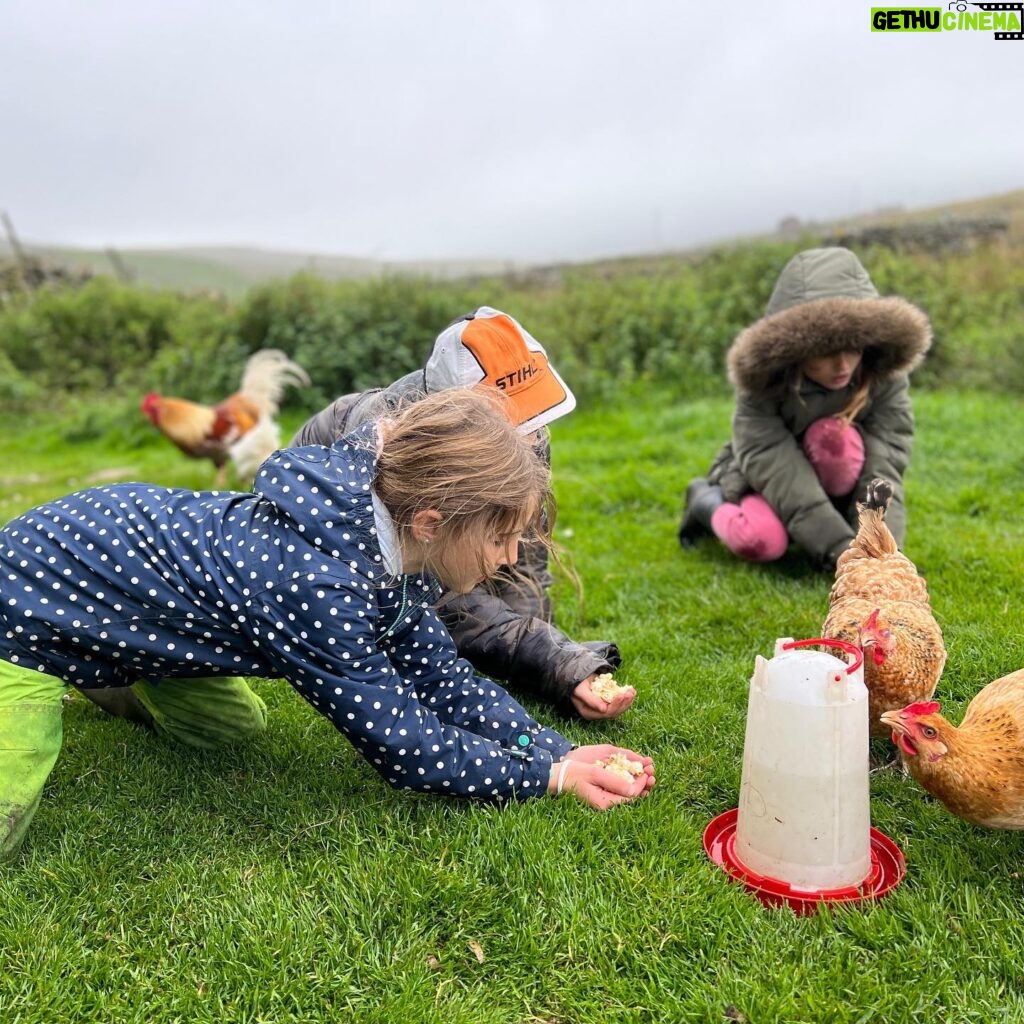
(887,870)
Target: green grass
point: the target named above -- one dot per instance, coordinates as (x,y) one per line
(283,881)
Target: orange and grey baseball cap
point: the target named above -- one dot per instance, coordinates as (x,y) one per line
(490,347)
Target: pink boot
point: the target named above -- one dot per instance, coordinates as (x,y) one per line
(836,451)
(750,529)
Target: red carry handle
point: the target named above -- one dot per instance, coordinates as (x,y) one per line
(843,644)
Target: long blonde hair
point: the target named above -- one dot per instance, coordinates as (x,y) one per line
(857,402)
(458,453)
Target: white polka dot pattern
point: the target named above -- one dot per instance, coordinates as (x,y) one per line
(131,581)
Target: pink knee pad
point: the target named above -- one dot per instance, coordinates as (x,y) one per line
(836,451)
(750,529)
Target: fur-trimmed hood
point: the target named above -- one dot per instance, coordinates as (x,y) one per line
(823,303)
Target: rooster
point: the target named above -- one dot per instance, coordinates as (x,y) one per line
(977,770)
(880,604)
(241,428)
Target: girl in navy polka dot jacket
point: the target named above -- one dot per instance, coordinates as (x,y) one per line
(323,576)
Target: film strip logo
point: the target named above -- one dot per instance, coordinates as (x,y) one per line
(1018,7)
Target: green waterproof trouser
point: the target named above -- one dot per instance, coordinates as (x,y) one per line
(205,713)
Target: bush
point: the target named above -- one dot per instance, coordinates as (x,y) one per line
(15,388)
(349,336)
(976,305)
(608,328)
(96,337)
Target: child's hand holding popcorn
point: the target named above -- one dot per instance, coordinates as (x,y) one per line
(599,697)
(602,775)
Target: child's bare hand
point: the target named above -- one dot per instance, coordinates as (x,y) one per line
(593,708)
(597,786)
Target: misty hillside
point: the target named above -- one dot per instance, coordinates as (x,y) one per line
(233,269)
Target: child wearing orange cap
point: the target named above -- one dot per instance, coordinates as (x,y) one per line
(503,627)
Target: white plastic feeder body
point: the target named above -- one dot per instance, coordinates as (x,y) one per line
(804,815)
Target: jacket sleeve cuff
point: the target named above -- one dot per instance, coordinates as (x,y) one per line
(537,752)
(528,744)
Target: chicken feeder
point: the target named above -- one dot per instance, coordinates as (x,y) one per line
(802,833)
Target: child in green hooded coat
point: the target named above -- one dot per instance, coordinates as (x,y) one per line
(822,407)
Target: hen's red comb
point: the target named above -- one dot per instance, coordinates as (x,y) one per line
(923,707)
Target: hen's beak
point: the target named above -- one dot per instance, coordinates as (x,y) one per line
(900,732)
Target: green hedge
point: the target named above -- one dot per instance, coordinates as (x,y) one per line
(610,328)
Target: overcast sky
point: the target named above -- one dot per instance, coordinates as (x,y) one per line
(533,130)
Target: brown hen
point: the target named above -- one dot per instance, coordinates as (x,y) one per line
(241,428)
(976,770)
(879,603)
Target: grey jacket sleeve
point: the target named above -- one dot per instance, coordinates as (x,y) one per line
(888,431)
(329,424)
(535,658)
(349,412)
